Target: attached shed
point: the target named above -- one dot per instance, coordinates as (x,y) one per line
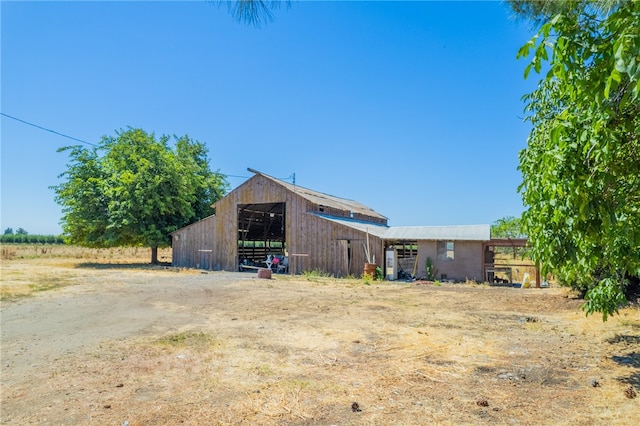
(456,252)
(264,215)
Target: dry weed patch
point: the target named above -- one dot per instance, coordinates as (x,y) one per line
(32,268)
(294,351)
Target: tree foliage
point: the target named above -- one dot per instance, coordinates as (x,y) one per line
(511,228)
(507,227)
(133,189)
(254,12)
(581,167)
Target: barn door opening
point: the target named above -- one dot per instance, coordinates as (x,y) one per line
(261,232)
(343,258)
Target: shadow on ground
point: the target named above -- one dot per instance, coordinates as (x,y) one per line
(127,266)
(628,359)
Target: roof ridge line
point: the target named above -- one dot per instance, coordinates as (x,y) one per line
(312,191)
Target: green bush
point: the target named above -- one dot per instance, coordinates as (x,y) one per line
(379,276)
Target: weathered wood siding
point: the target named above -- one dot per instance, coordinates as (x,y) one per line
(187,241)
(322,241)
(331,211)
(255,191)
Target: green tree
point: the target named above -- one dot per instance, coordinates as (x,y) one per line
(509,227)
(21,231)
(8,231)
(581,167)
(133,189)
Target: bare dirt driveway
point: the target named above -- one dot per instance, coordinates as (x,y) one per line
(121,343)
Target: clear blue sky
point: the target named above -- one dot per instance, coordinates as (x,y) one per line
(411,108)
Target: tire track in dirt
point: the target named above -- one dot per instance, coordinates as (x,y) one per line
(38,330)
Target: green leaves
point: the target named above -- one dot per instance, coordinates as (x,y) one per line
(137,192)
(507,227)
(581,167)
(605,298)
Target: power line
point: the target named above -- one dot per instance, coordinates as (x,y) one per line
(293,176)
(47,130)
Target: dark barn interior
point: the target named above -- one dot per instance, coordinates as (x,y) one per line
(261,231)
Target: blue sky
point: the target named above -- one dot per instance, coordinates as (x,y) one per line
(412,108)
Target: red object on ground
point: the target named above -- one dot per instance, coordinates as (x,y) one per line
(264,273)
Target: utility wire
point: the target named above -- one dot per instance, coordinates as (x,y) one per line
(92,144)
(47,130)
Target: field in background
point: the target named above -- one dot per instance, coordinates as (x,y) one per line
(521,266)
(48,251)
(32,268)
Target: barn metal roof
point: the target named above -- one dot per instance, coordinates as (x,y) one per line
(415,233)
(374,229)
(323,199)
(457,232)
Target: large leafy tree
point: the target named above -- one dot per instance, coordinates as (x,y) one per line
(133,189)
(581,167)
(508,227)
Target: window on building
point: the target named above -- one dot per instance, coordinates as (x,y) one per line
(406,249)
(446,250)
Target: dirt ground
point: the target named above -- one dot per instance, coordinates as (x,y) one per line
(104,343)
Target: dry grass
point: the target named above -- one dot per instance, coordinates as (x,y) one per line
(442,372)
(62,251)
(523,266)
(31,268)
(302,350)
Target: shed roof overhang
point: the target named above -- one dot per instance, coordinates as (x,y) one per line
(416,233)
(439,233)
(374,229)
(507,242)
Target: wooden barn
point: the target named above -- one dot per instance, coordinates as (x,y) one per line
(268,217)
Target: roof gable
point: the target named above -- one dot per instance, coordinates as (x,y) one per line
(323,199)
